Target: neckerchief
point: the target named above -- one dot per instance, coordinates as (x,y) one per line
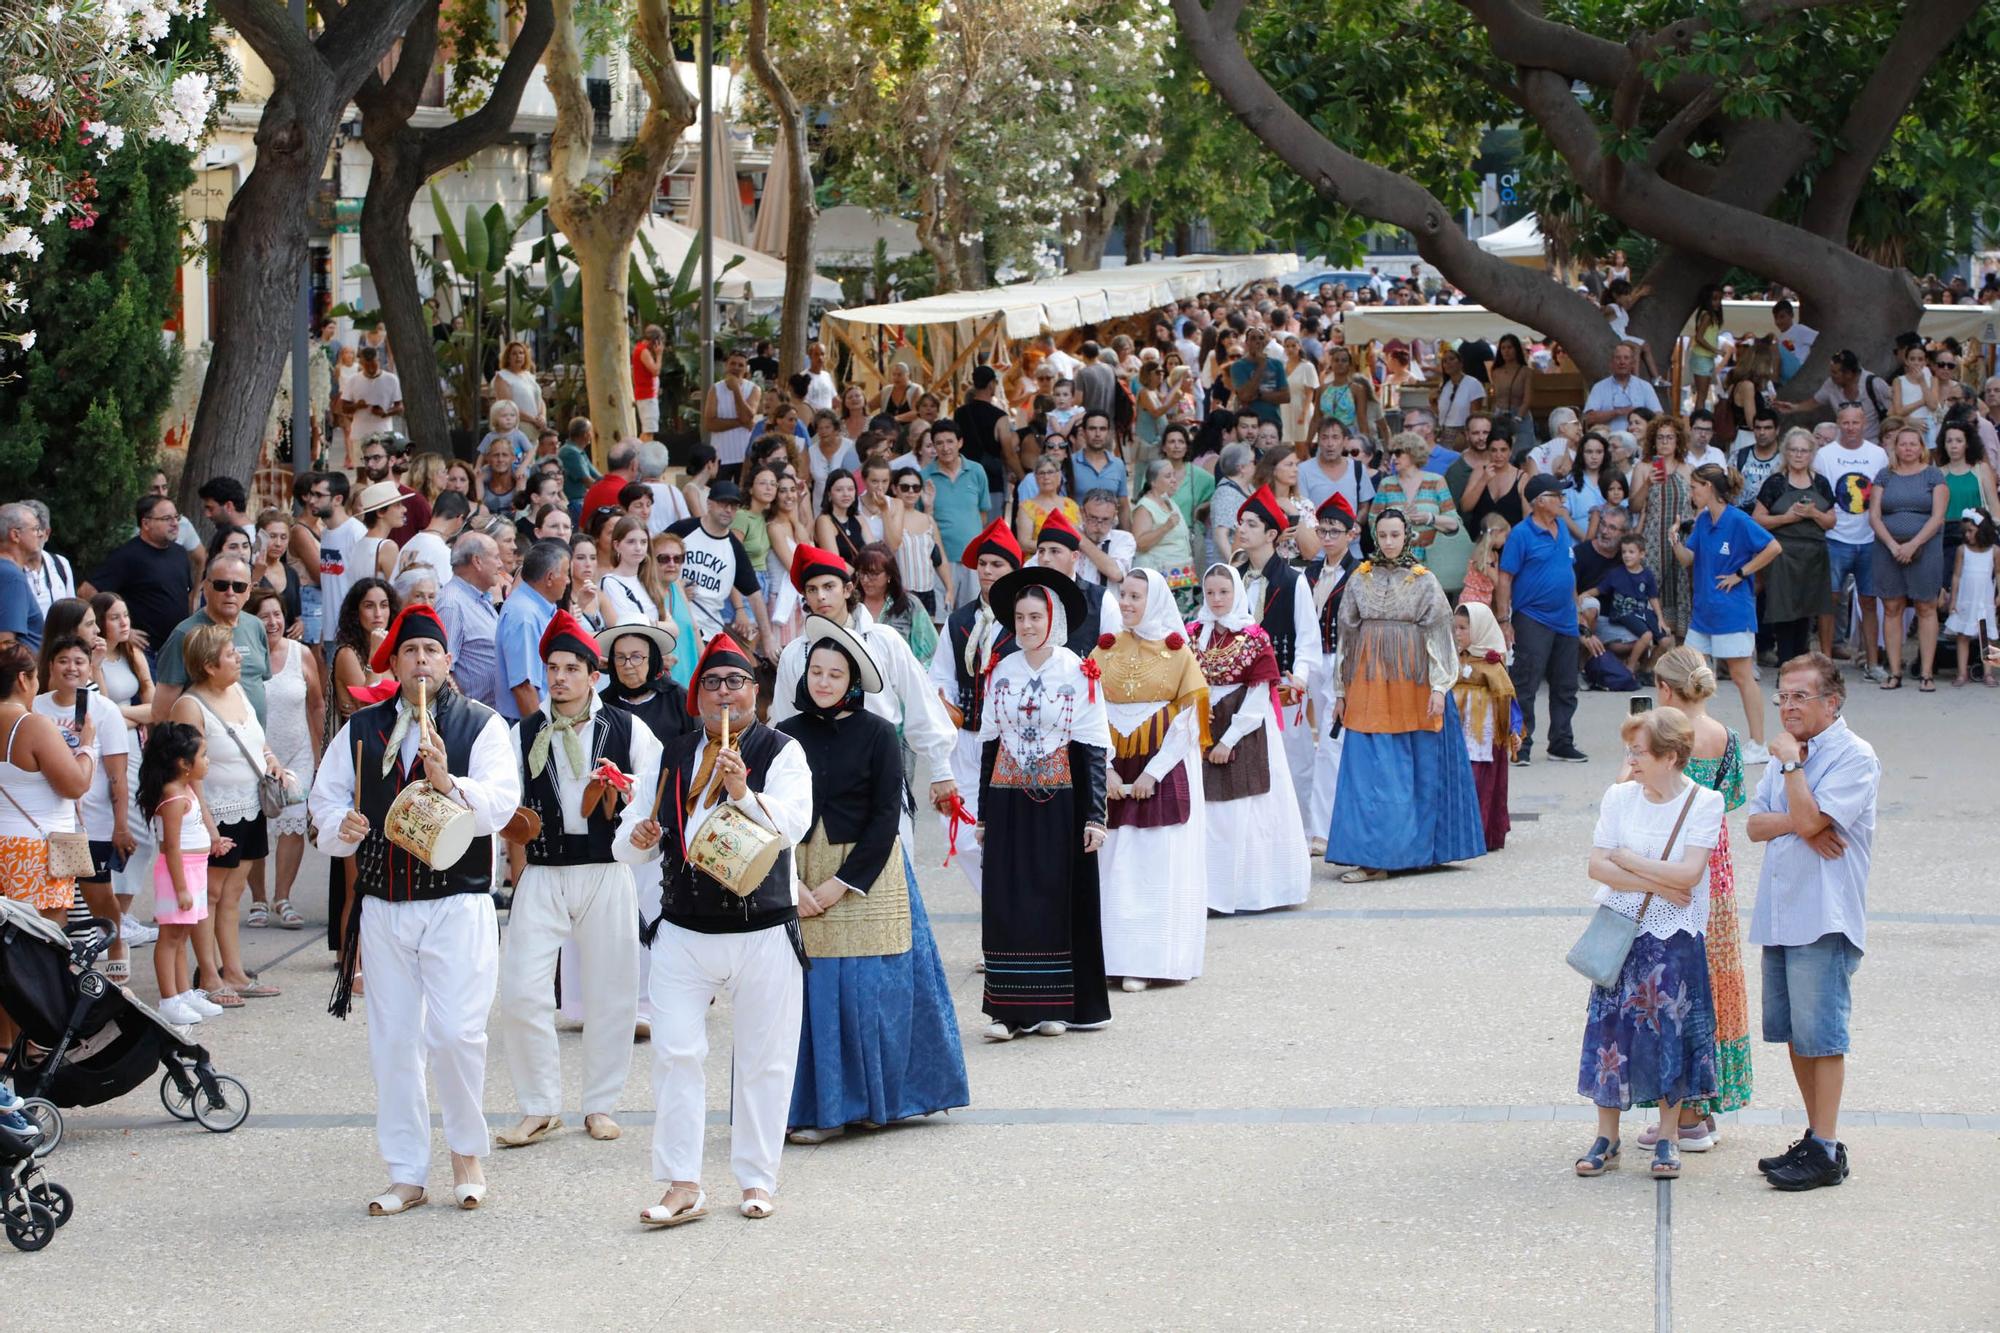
(565,727)
(393,751)
(706,779)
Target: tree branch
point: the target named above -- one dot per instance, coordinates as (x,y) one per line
(403,88)
(1533,42)
(354,40)
(279,43)
(460,139)
(1928,27)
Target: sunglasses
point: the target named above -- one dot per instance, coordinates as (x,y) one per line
(667,559)
(909,490)
(229,585)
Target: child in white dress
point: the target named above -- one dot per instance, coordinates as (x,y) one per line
(1973,593)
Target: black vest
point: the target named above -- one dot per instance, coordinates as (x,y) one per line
(1280,584)
(608,737)
(1329,615)
(689,898)
(382,869)
(1083,638)
(971,687)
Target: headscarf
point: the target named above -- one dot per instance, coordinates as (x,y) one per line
(1238,617)
(1058,618)
(1162,616)
(802,698)
(656,673)
(1409,557)
(1486,635)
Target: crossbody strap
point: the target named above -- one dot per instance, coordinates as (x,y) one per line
(1694,790)
(16,804)
(258,768)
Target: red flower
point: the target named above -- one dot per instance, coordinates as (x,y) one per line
(1091,667)
(1104,641)
(1493,657)
(1176,641)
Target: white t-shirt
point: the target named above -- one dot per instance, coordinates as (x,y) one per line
(1454,401)
(377,396)
(1850,472)
(820,393)
(112,739)
(334,576)
(1707,456)
(1629,818)
(1608,395)
(713,567)
(427,549)
(669,507)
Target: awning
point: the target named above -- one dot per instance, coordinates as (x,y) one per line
(1517,243)
(760,277)
(1457,323)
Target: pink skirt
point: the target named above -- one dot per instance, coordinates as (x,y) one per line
(166,908)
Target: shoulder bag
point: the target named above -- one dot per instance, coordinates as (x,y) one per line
(270,787)
(1600,953)
(69,853)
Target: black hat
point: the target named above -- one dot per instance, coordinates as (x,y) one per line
(1542,484)
(1009,589)
(726,492)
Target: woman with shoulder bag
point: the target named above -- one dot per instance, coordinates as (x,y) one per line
(1650,1035)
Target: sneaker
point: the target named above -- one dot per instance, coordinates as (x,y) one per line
(1874,674)
(1700,1138)
(1790,1155)
(1521,759)
(1813,1170)
(179,1012)
(136,933)
(1568,754)
(1754,754)
(198,1001)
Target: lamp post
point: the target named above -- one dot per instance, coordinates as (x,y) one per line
(302,454)
(706,222)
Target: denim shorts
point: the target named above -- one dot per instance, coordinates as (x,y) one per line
(1724,646)
(1806,998)
(1848,558)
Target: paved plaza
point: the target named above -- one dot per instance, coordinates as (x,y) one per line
(1362,1116)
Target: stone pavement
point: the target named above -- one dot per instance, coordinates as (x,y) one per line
(1362,1116)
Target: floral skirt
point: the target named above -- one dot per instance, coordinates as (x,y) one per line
(1724,943)
(1652,1036)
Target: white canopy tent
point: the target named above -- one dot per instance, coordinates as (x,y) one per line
(1517,243)
(945,331)
(845,235)
(760,277)
(1743,318)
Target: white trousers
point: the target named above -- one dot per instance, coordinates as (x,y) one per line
(592,906)
(432,968)
(1325,774)
(1299,749)
(965,772)
(646,880)
(766,990)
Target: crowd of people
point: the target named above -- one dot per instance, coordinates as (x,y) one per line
(1166,617)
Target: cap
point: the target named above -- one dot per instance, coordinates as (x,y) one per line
(1336,509)
(568,634)
(412,623)
(726,492)
(1542,484)
(995,540)
(811,562)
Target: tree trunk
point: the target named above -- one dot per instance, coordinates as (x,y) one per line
(262,256)
(393,182)
(604,269)
(1138,229)
(802,209)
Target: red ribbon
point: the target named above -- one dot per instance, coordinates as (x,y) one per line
(376,693)
(959,815)
(610,774)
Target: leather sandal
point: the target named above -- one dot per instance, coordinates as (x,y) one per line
(1894,682)
(519,1138)
(1602,1157)
(659,1215)
(392,1203)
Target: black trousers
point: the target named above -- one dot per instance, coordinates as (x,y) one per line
(1542,654)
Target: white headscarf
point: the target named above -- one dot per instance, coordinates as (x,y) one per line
(1161,616)
(1058,618)
(1238,618)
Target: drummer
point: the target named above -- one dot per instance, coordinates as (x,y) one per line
(571,888)
(426,934)
(708,940)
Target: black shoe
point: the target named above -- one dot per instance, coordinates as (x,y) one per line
(1790,1155)
(1812,1171)
(1521,759)
(1569,754)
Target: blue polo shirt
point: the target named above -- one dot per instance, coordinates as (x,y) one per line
(1723,546)
(1088,478)
(523,619)
(1544,573)
(961,505)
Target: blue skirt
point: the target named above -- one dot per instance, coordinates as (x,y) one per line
(879,1038)
(1651,1037)
(1406,800)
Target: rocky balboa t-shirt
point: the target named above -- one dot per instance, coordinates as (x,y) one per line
(714,566)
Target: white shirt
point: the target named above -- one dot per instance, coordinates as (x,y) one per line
(1802,895)
(1850,472)
(1064,364)
(491,790)
(1454,401)
(428,551)
(669,507)
(1608,395)
(51,580)
(334,576)
(906,697)
(785,807)
(820,393)
(1121,546)
(376,396)
(1306,646)
(1629,818)
(114,741)
(569,783)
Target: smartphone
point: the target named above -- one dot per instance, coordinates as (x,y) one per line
(83,705)
(1636,704)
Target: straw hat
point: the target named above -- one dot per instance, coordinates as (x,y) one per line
(378,495)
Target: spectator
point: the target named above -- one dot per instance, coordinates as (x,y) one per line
(1257,382)
(271,569)
(621,470)
(819,391)
(1457,393)
(960,503)
(1336,468)
(669,504)
(1612,398)
(988,435)
(1847,385)
(1760,459)
(1850,462)
(1725,549)
(66,669)
(1537,580)
(45,777)
(296,701)
(1796,505)
(1108,551)
(515,382)
(1968,478)
(716,571)
(527,613)
(365,613)
(1418,494)
(20,547)
(1556,455)
(1660,500)
(503,427)
(646,379)
(1601,550)
(150,573)
(430,549)
(1816,809)
(578,472)
(471,620)
(828,453)
(1234,471)
(371,399)
(225,591)
(50,577)
(1906,509)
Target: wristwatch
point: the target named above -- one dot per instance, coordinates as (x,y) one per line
(1792,767)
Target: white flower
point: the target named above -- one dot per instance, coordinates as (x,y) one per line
(52,210)
(53,14)
(27,340)
(35,87)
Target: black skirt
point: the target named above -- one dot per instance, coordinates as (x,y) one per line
(1043,935)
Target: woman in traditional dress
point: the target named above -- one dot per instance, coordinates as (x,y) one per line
(1155,863)
(1043,745)
(1405,799)
(1256,849)
(1684,680)
(1492,720)
(879,1041)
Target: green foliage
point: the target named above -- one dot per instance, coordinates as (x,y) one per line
(80,426)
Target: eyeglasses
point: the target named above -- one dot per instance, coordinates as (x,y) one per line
(630,659)
(664,559)
(720,684)
(229,585)
(1790,697)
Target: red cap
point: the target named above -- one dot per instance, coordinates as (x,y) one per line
(1265,506)
(568,634)
(1058,529)
(810,562)
(1336,504)
(723,651)
(413,622)
(996,540)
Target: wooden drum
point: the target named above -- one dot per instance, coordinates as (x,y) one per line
(734,850)
(435,829)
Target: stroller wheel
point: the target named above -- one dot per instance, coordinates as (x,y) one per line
(54,1198)
(230,1108)
(177,1093)
(30,1226)
(48,1119)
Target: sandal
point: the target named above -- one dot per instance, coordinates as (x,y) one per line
(118,970)
(258,990)
(1893,683)
(257,918)
(1602,1157)
(388,1205)
(288,915)
(659,1215)
(1927,685)
(224,998)
(520,1138)
(1666,1161)
(1362,875)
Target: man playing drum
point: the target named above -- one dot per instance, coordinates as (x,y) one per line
(730,795)
(580,763)
(426,760)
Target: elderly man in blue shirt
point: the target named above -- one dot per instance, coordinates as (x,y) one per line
(527,613)
(471,620)
(1815,813)
(1534,599)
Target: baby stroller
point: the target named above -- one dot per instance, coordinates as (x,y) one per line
(84,1041)
(31,1205)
